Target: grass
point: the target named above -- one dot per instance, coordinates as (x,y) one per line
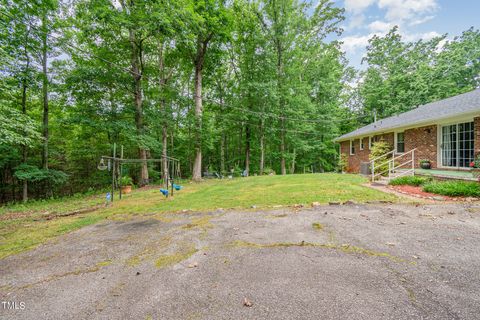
(454,188)
(25,226)
(57,205)
(409,180)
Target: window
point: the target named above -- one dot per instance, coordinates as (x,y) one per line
(457,147)
(369,143)
(352,147)
(361,144)
(400,142)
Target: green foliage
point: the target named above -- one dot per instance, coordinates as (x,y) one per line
(454,188)
(410,181)
(379,153)
(276,87)
(343,162)
(126,181)
(17,129)
(475,163)
(402,75)
(35,174)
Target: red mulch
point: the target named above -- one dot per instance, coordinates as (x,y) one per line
(418,192)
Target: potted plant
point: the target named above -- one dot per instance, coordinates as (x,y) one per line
(126,183)
(425,164)
(475,167)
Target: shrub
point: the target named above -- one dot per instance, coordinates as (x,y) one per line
(379,149)
(343,162)
(454,188)
(410,181)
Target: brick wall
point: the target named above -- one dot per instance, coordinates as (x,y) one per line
(422,138)
(360,156)
(477,135)
(425,140)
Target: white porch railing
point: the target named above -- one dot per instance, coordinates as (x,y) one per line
(394,170)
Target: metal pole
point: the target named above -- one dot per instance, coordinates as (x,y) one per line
(120,173)
(373,171)
(413,162)
(113,168)
(166,175)
(173,168)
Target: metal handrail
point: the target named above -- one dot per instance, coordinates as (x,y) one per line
(391,163)
(386,154)
(401,165)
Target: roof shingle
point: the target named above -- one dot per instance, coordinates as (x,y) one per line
(466,103)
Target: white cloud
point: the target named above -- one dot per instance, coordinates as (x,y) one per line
(406,14)
(352,44)
(406,10)
(421,20)
(380,26)
(357,6)
(417,36)
(356,21)
(355,44)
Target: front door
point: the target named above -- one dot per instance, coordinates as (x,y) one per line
(457,145)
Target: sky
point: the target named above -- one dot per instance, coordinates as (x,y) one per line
(417,19)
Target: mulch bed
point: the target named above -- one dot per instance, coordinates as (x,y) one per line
(419,193)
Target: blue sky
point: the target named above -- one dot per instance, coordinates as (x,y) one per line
(417,19)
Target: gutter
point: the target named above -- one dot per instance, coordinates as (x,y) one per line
(414,125)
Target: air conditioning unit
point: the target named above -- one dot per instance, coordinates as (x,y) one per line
(365,168)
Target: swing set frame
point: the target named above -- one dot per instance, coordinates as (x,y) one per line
(173,168)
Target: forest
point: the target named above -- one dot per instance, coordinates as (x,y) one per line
(239,86)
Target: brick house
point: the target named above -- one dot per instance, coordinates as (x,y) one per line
(446,132)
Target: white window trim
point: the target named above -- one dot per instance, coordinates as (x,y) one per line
(395,138)
(370,143)
(361,144)
(352,142)
(439,142)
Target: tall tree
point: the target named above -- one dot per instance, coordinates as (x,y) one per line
(210,21)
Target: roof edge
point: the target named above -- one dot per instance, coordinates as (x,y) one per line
(415,124)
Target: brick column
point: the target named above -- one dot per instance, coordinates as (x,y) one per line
(477,135)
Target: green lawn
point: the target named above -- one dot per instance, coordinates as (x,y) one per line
(24,226)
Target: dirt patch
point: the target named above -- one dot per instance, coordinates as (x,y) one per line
(48,215)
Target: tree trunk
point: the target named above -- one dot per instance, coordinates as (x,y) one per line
(292,167)
(24,111)
(247,149)
(282,147)
(197,165)
(163,108)
(262,149)
(137,92)
(222,152)
(45,91)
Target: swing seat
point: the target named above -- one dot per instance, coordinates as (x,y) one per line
(177,187)
(164,192)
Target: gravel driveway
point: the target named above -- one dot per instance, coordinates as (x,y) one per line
(375,261)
